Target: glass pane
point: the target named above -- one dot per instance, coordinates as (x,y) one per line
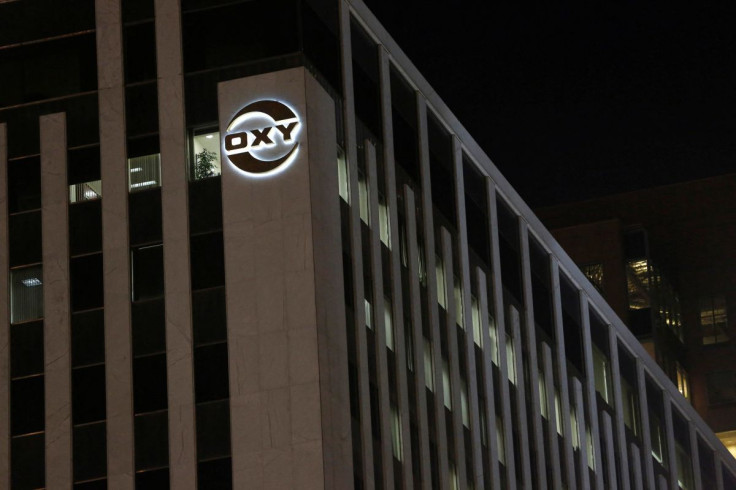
(26,349)
(26,294)
(90,452)
(26,405)
(86,191)
(206,155)
(144,172)
(213,430)
(152,441)
(27,461)
(88,394)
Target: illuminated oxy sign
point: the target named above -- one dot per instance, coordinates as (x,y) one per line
(262,138)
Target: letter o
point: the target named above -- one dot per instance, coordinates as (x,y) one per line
(231,144)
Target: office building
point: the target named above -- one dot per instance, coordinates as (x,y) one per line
(249,247)
(664,260)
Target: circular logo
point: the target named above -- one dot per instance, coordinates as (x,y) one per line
(262,137)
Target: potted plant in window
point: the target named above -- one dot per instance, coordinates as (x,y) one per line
(204,165)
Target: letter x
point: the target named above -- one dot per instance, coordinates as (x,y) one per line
(261,136)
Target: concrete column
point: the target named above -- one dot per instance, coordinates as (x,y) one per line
(115,248)
(418,337)
(351,150)
(430,259)
(619,424)
(56,301)
(4,317)
(489,388)
(289,406)
(498,308)
(469,346)
(175,228)
(521,403)
(397,297)
(379,327)
(562,379)
(549,386)
(530,339)
(454,361)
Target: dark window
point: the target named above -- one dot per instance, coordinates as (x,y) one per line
(508,241)
(366,81)
(147,264)
(85,227)
(133,10)
(476,205)
(571,322)
(149,383)
(145,216)
(215,474)
(44,70)
(152,479)
(152,442)
(86,282)
(213,430)
(404,118)
(37,19)
(27,461)
(721,387)
(149,328)
(88,338)
(246,31)
(91,485)
(205,205)
(140,52)
(24,235)
(141,109)
(441,168)
(24,183)
(83,165)
(90,452)
(88,394)
(320,31)
(541,296)
(211,372)
(207,261)
(208,316)
(26,405)
(26,349)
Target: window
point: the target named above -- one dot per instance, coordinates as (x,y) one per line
(206,159)
(475,316)
(388,323)
(656,433)
(594,272)
(630,402)
(26,294)
(510,359)
(144,172)
(147,266)
(602,371)
(713,320)
(364,198)
(86,191)
(428,365)
(343,175)
(441,285)
(684,468)
(683,386)
(721,387)
(384,223)
(396,442)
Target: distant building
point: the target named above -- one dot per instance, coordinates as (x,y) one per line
(664,260)
(247,246)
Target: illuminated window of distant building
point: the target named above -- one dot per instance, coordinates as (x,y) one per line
(721,387)
(713,320)
(683,384)
(144,172)
(26,294)
(728,439)
(594,273)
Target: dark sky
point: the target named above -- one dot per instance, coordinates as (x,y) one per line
(573,101)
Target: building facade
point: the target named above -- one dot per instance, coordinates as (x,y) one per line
(685,254)
(247,246)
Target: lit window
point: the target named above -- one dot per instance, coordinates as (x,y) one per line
(397,443)
(206,155)
(343,175)
(602,373)
(364,198)
(459,310)
(428,365)
(683,386)
(368,313)
(591,448)
(542,395)
(441,287)
(494,339)
(500,440)
(558,413)
(684,468)
(637,275)
(594,272)
(728,439)
(446,384)
(26,294)
(510,359)
(575,430)
(657,436)
(144,172)
(464,403)
(383,221)
(86,191)
(475,313)
(713,320)
(388,323)
(630,406)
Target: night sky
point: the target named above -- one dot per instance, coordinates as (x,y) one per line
(573,101)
